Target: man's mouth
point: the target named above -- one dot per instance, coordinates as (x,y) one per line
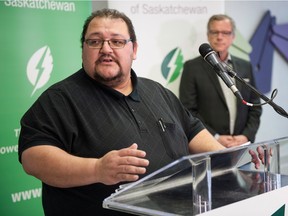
(105,59)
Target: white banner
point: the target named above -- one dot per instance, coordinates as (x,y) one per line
(272,203)
(168,34)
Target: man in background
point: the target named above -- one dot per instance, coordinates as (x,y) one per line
(208,98)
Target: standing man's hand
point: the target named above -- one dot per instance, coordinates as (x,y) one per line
(240,139)
(231,141)
(226,140)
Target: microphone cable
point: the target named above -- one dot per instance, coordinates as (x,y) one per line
(224,71)
(267,100)
(233,74)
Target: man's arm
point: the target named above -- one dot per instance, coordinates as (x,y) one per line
(204,142)
(57,168)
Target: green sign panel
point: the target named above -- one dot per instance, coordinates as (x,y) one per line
(40,45)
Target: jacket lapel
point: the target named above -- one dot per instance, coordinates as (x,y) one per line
(213,77)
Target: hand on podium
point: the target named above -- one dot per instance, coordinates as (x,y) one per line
(259,157)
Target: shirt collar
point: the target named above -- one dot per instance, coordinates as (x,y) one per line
(228,59)
(134,94)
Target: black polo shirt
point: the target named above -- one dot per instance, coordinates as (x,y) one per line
(88,119)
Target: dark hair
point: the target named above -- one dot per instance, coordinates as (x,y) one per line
(219,17)
(109,13)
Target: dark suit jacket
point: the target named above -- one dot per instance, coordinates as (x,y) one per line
(201,93)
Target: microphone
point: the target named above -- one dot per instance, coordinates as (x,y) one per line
(211,57)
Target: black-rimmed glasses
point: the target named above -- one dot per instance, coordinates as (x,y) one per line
(113,43)
(216,33)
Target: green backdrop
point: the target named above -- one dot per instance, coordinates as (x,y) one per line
(39,45)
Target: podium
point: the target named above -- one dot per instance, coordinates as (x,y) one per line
(220,182)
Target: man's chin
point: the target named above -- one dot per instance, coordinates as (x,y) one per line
(108,78)
(106,72)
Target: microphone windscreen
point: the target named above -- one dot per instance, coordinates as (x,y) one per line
(204,49)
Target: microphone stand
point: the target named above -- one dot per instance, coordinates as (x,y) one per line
(277,108)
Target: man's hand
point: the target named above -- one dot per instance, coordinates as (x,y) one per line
(231,141)
(259,157)
(240,139)
(121,166)
(226,140)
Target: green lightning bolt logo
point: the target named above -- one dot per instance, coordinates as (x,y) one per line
(39,68)
(172,65)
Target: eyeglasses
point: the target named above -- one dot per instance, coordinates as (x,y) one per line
(216,33)
(113,43)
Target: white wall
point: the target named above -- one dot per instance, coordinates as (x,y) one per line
(247,15)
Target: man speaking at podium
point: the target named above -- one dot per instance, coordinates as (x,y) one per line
(103,126)
(207,97)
